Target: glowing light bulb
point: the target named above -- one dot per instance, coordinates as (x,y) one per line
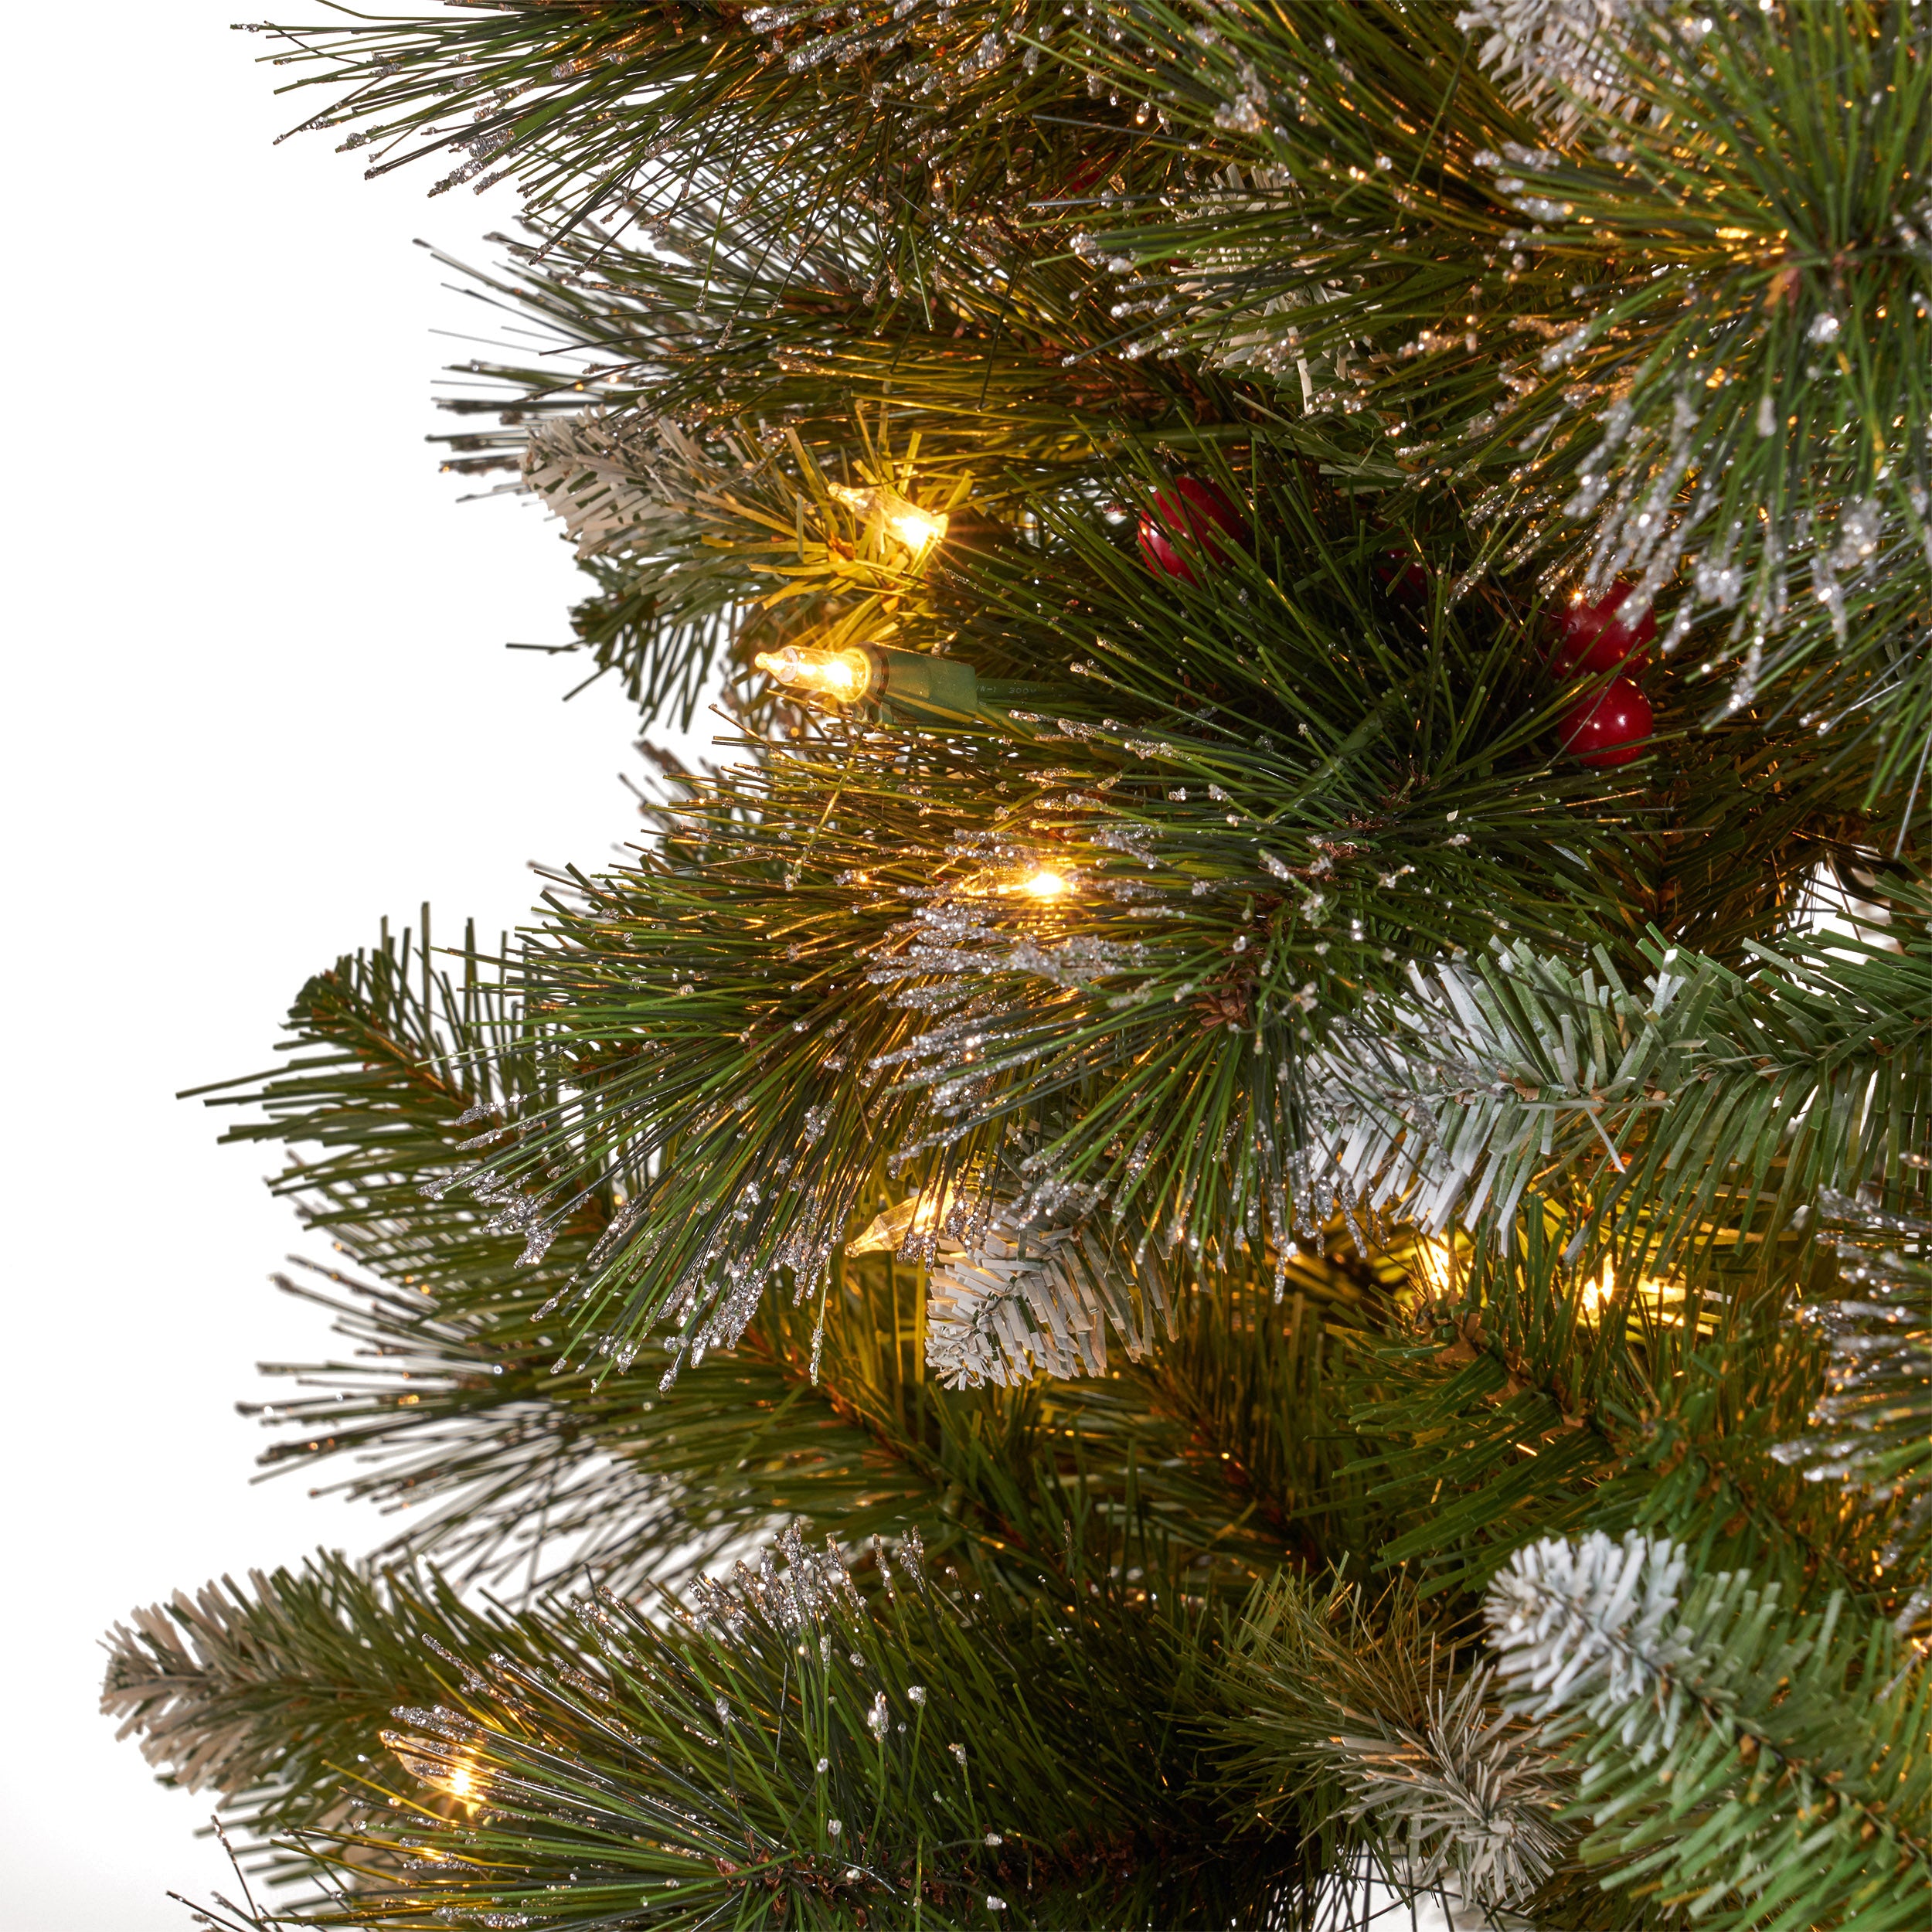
(1662,1299)
(1435,1265)
(918,1214)
(1044,885)
(842,676)
(916,528)
(460,1781)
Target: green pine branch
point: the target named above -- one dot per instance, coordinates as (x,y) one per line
(708,369)
(274,1694)
(1668,303)
(988,360)
(1531,1398)
(455,1407)
(1869,1427)
(789,1753)
(1751,1767)
(877,123)
(1704,1111)
(1223,1446)
(1360,1711)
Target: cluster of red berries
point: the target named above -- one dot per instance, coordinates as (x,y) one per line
(1605,728)
(1608,726)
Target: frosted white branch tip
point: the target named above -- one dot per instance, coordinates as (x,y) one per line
(1574,1622)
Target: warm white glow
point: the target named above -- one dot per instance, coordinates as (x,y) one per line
(916,528)
(1042,883)
(1435,1265)
(1653,1291)
(460,1781)
(842,675)
(888,1233)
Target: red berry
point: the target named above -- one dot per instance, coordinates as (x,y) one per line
(1608,727)
(1191,509)
(1591,638)
(1162,554)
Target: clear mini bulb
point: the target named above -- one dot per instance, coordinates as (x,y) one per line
(844,676)
(915,527)
(917,1214)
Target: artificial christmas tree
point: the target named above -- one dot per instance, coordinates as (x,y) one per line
(1165,1259)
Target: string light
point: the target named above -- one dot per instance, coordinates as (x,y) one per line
(915,681)
(917,529)
(1655,1293)
(844,676)
(460,1782)
(1040,881)
(1435,1265)
(918,1214)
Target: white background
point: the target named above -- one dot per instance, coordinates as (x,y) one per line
(255,698)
